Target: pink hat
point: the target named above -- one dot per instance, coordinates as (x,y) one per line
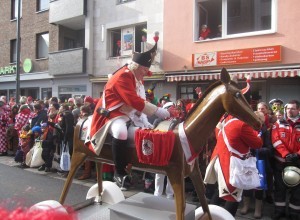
(71,100)
(89,99)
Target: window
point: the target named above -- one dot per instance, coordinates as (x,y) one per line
(42,45)
(13,51)
(42,5)
(128,39)
(187,91)
(14,9)
(234,18)
(46,93)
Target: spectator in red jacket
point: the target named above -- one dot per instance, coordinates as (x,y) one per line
(286,142)
(204,32)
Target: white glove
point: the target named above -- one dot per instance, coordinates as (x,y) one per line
(162,113)
(145,121)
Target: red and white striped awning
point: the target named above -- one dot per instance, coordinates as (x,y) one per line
(239,75)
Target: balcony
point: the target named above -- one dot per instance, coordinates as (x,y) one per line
(68,13)
(66,62)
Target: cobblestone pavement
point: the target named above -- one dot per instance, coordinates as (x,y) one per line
(268,209)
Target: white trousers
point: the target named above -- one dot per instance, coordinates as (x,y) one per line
(159,186)
(118,128)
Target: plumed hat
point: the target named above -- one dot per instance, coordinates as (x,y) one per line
(150,92)
(145,59)
(166,97)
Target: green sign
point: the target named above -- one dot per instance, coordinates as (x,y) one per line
(8,70)
(27,65)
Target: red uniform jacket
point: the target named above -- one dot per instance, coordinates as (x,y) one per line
(241,137)
(121,88)
(286,138)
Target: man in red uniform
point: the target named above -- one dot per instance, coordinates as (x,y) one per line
(241,138)
(121,97)
(286,142)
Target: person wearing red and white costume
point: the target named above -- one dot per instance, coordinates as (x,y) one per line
(286,143)
(119,99)
(242,138)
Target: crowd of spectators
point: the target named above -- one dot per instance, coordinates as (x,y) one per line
(56,119)
(50,121)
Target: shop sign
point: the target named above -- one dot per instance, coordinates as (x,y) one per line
(8,70)
(241,56)
(27,65)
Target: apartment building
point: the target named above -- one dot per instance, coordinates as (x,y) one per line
(121,27)
(248,37)
(53,54)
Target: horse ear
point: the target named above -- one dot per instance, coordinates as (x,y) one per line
(225,77)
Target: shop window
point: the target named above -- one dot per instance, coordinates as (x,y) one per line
(46,93)
(13,51)
(187,91)
(234,18)
(14,9)
(42,5)
(42,45)
(126,40)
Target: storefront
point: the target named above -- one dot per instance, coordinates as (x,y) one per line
(266,83)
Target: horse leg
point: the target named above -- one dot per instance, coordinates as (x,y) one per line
(200,188)
(177,182)
(76,161)
(99,166)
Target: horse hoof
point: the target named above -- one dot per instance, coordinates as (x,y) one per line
(217,213)
(111,193)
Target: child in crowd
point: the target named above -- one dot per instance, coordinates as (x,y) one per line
(25,143)
(48,147)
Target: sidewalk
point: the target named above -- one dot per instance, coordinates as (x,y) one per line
(268,209)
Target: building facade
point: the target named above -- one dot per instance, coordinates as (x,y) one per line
(69,47)
(254,37)
(53,54)
(123,26)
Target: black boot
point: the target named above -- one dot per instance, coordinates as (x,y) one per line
(119,152)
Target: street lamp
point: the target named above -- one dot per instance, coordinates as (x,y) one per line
(18,55)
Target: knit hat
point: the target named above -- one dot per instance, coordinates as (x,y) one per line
(37,129)
(71,100)
(29,99)
(145,59)
(89,99)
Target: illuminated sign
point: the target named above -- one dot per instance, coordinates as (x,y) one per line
(241,56)
(8,70)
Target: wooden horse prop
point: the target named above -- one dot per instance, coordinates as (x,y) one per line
(223,96)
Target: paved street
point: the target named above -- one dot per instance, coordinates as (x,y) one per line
(29,186)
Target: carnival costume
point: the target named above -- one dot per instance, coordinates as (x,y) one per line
(119,99)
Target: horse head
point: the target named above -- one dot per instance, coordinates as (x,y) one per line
(235,103)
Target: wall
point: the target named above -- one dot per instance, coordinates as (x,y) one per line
(179,45)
